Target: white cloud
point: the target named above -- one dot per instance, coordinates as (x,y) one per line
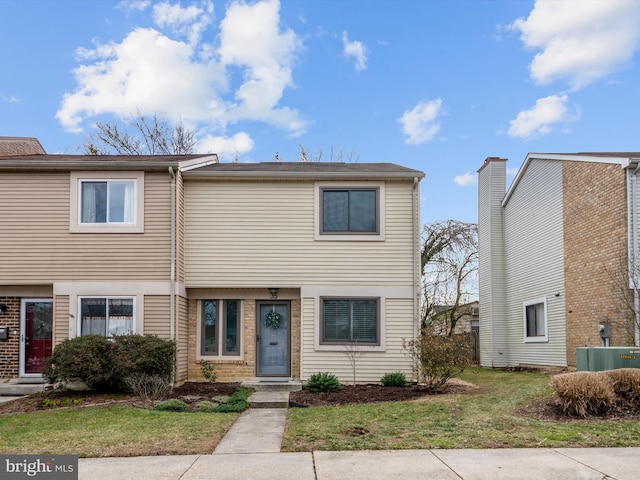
(539,119)
(172,71)
(465,180)
(580,41)
(419,124)
(355,49)
(130,5)
(9,99)
(190,22)
(227,148)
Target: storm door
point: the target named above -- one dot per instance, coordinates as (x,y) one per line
(273,339)
(36,339)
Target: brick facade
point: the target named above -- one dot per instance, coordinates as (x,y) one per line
(10,349)
(595,245)
(244,369)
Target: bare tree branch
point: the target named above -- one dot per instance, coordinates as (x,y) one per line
(150,136)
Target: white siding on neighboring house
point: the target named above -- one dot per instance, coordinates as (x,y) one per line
(493,335)
(534,256)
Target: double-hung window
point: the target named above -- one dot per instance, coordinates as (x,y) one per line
(350,321)
(350,210)
(535,321)
(220,328)
(107,316)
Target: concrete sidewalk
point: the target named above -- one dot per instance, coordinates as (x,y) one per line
(507,464)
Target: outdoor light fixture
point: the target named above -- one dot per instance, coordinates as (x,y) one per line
(3,308)
(273,292)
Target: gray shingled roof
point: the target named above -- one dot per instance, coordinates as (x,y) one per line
(20,146)
(304,169)
(96,161)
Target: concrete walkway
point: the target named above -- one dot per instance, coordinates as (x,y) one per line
(499,464)
(257,430)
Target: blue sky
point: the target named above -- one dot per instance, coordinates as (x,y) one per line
(432,85)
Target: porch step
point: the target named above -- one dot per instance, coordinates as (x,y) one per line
(273,386)
(269,400)
(15,387)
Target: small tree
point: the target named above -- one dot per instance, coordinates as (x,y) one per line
(354,354)
(141,136)
(437,358)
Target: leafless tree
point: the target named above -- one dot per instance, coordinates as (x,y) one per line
(334,155)
(625,282)
(142,135)
(449,261)
(354,353)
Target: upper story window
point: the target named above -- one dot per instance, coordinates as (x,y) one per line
(535,320)
(107,202)
(350,212)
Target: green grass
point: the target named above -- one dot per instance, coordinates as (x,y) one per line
(115,431)
(490,418)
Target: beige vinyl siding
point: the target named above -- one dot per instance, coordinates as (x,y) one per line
(61,319)
(157,315)
(36,245)
(534,257)
(182,339)
(247,234)
(372,365)
(491,191)
(179,228)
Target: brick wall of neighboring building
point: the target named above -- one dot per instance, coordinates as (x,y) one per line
(238,370)
(10,349)
(595,243)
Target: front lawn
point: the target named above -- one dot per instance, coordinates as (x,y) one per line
(501,414)
(113,431)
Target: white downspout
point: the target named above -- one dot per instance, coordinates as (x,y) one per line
(416,259)
(632,206)
(172,279)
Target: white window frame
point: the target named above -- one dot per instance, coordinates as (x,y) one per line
(75,211)
(537,338)
(378,236)
(107,298)
(220,355)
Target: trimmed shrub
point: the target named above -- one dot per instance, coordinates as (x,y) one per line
(104,364)
(86,358)
(626,384)
(208,369)
(584,393)
(394,379)
(437,358)
(323,382)
(172,405)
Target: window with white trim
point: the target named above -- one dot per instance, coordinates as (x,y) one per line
(107,202)
(220,328)
(350,321)
(535,320)
(107,316)
(350,210)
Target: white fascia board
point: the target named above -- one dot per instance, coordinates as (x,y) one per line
(187,165)
(622,161)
